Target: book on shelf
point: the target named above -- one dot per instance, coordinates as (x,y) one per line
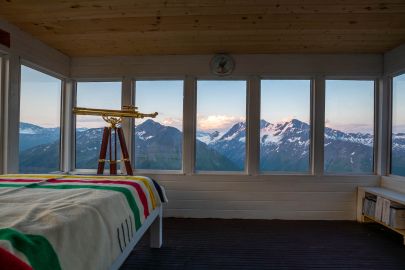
(379,208)
(385,215)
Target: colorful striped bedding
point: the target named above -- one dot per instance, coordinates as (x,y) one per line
(71,222)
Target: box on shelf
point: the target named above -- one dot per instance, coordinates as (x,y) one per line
(369,204)
(397,216)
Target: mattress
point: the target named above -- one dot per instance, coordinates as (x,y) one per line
(72,222)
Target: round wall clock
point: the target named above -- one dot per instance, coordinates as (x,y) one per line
(222,64)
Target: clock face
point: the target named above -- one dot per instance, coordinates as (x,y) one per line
(222,64)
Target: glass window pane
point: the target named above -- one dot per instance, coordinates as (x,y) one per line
(221,126)
(285,125)
(349,126)
(158,141)
(39,148)
(398,126)
(89,129)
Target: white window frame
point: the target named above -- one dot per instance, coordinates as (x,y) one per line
(312,117)
(62,79)
(390,87)
(249,166)
(132,125)
(376,151)
(73,168)
(3,85)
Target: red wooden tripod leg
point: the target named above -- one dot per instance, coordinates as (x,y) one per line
(113,161)
(103,150)
(124,150)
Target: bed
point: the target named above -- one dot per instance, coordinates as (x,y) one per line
(76,222)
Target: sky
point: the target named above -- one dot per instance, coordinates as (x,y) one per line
(98,95)
(398,108)
(220,104)
(349,105)
(40,98)
(283,100)
(164,97)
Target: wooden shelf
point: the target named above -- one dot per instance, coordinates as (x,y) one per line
(402,232)
(386,193)
(382,192)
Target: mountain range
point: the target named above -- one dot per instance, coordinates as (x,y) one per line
(283,147)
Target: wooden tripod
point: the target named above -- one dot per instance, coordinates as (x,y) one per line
(114,118)
(107,141)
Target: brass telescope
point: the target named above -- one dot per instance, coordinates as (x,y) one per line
(127,111)
(114,118)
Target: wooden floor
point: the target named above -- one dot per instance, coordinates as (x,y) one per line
(259,244)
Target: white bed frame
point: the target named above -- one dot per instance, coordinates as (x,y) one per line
(153,223)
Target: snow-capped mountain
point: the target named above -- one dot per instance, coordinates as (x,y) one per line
(33,135)
(283,147)
(26,128)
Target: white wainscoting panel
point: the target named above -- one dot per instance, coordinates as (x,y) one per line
(294,197)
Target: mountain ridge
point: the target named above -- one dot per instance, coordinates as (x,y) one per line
(284,146)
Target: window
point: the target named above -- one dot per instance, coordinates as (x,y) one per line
(2,84)
(89,129)
(221,126)
(39,133)
(349,126)
(285,129)
(158,141)
(398,126)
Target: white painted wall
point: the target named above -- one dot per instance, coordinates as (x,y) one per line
(246,65)
(263,197)
(396,183)
(30,51)
(394,61)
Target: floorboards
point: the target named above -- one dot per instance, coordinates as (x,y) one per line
(270,244)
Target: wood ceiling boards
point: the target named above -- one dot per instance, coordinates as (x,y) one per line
(160,27)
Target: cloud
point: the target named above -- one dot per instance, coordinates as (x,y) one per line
(84,121)
(352,127)
(167,121)
(174,122)
(217,122)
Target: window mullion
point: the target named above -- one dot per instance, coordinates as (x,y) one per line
(382,110)
(127,98)
(12,116)
(253,126)
(67,126)
(189,125)
(2,94)
(318,125)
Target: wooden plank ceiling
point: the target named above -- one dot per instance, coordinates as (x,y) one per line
(159,27)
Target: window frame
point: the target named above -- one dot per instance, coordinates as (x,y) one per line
(247,99)
(312,117)
(390,87)
(75,170)
(3,80)
(31,65)
(132,124)
(376,112)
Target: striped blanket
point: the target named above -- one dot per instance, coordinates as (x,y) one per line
(71,222)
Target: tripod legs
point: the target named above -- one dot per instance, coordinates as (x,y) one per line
(103,150)
(124,150)
(107,140)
